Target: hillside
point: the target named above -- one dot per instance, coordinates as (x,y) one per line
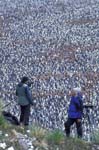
(36,138)
(54,43)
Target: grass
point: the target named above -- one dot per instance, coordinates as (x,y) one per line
(50,140)
(3,122)
(58,141)
(56,137)
(95,136)
(55,140)
(37,132)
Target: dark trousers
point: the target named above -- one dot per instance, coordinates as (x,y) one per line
(70,122)
(25,113)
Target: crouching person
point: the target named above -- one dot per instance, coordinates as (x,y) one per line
(24,100)
(75,112)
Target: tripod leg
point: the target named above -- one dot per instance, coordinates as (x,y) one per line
(91,126)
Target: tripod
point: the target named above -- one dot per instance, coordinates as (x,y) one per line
(89,116)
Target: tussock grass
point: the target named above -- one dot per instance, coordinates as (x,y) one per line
(37,132)
(56,137)
(95,136)
(52,140)
(78,144)
(3,122)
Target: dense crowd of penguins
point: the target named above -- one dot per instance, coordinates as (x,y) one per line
(55,44)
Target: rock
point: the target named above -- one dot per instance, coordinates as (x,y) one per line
(24,141)
(0,133)
(6,135)
(3,145)
(10,148)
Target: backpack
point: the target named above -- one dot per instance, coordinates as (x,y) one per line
(10,118)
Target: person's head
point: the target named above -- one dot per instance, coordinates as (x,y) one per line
(75,91)
(24,79)
(72,93)
(78,91)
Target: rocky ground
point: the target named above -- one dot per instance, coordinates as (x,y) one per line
(34,137)
(17,139)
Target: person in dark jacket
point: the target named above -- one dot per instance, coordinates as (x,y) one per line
(24,100)
(75,112)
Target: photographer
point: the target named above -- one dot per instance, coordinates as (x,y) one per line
(75,112)
(24,100)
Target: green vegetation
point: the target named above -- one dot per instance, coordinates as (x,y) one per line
(45,139)
(56,140)
(53,140)
(3,122)
(37,132)
(50,140)
(95,136)
(56,137)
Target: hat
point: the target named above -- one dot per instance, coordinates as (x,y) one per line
(24,79)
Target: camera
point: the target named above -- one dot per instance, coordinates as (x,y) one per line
(88,106)
(30,84)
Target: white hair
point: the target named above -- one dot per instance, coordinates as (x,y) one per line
(77,89)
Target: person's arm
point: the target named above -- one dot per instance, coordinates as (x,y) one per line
(16,92)
(28,95)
